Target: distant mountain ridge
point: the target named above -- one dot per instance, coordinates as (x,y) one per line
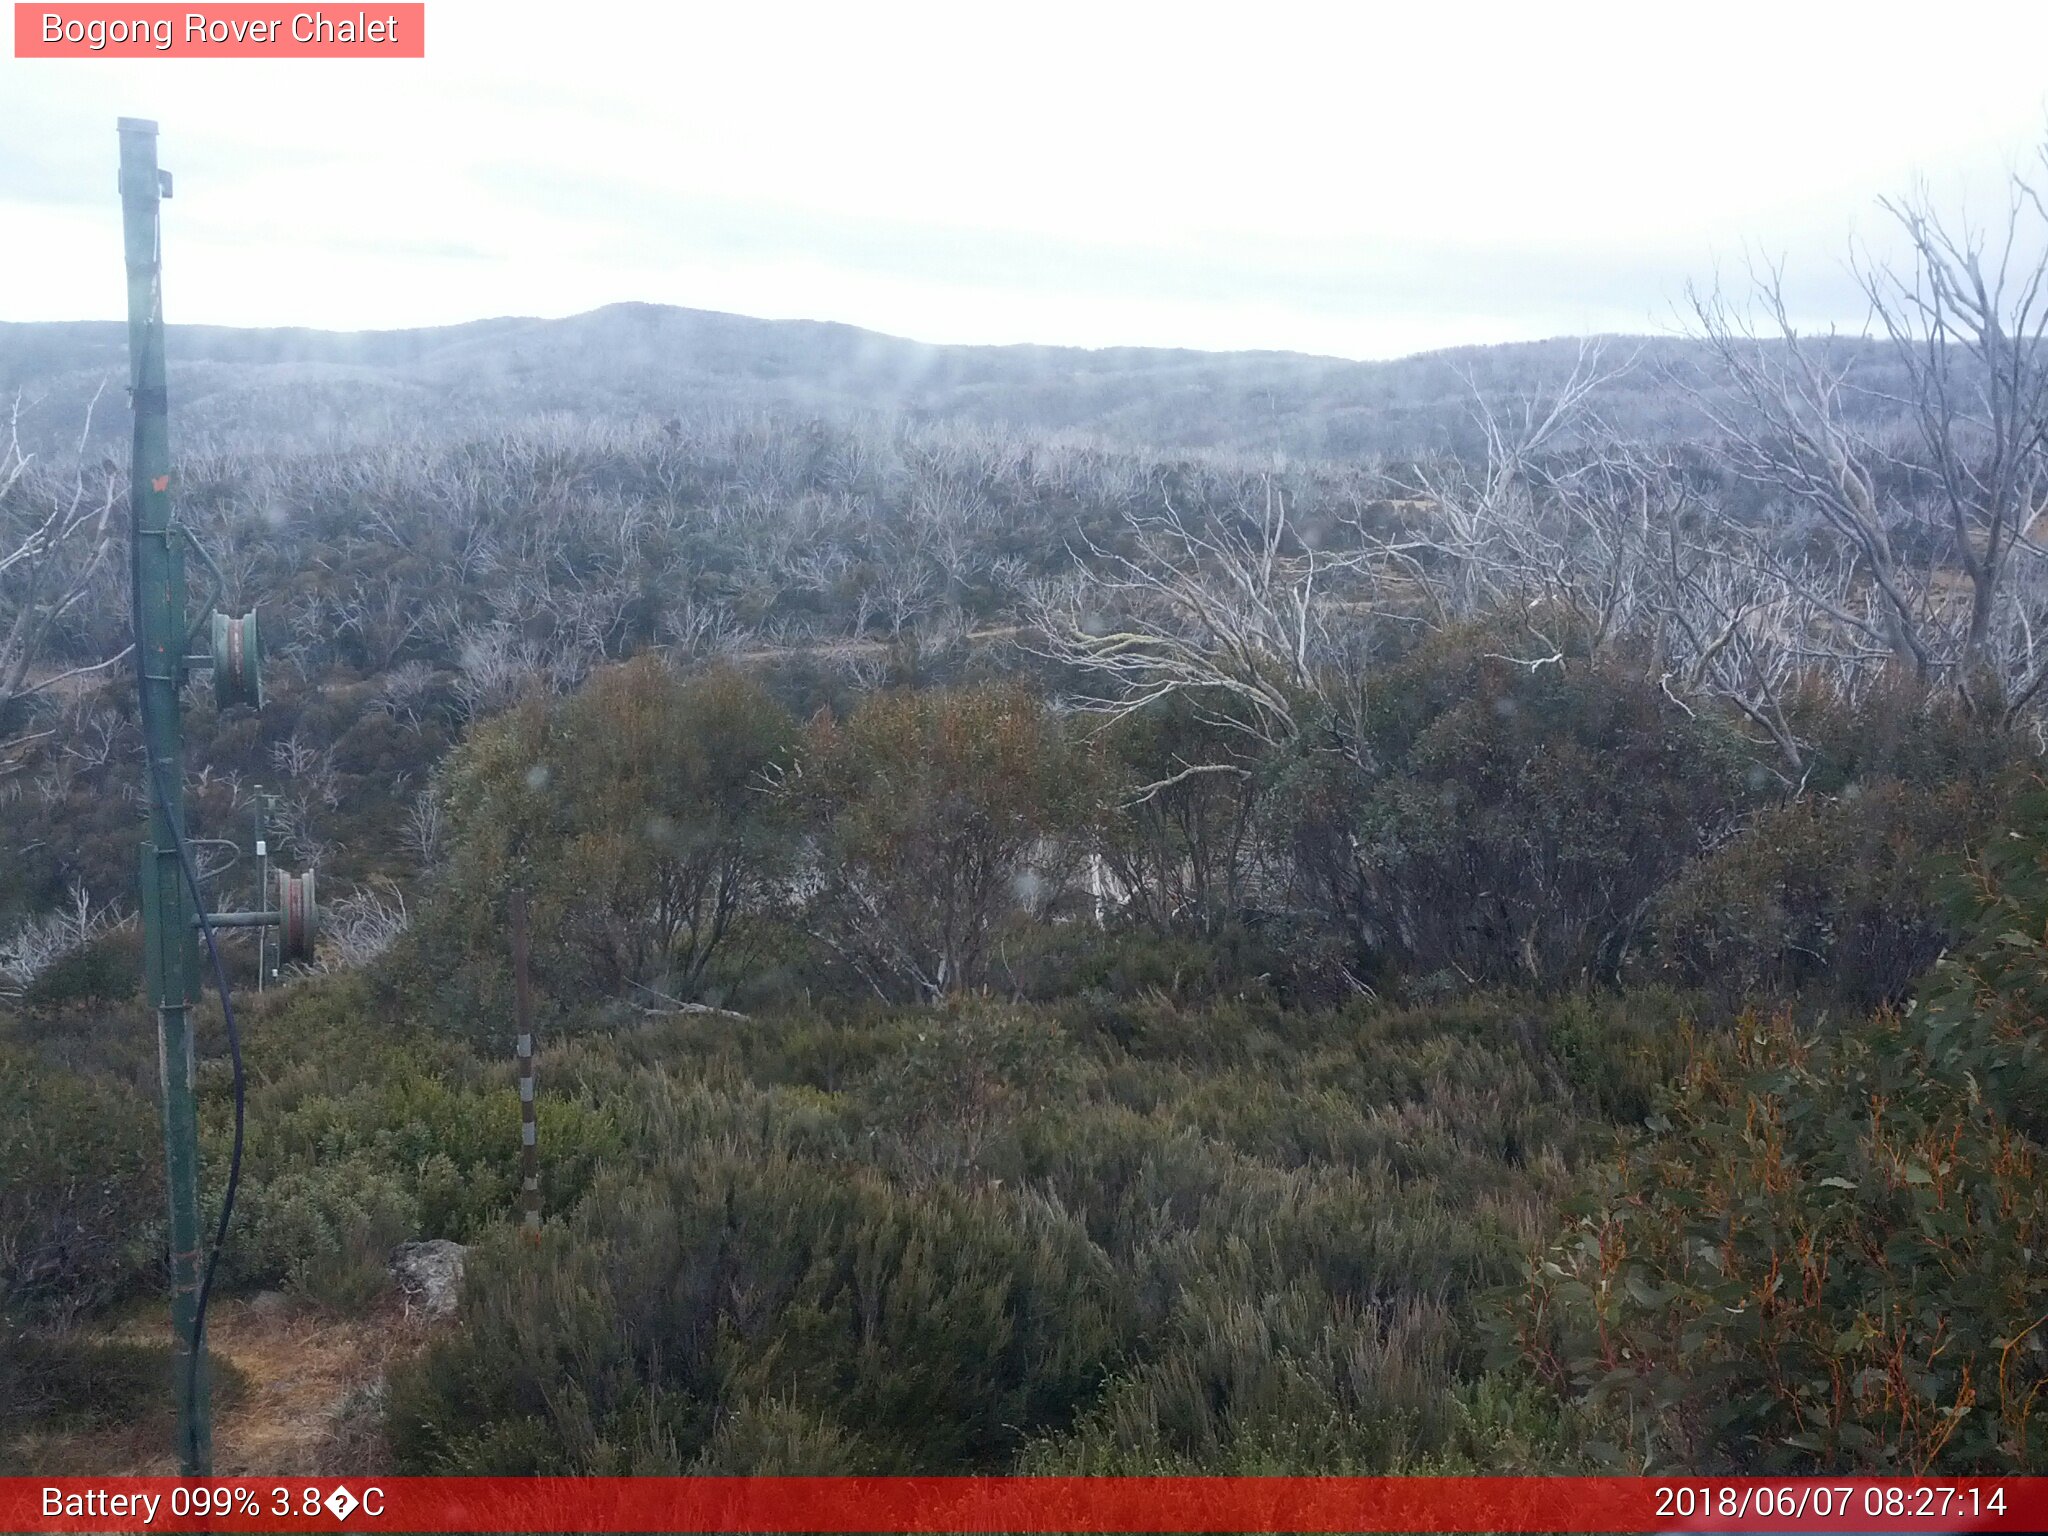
(265,387)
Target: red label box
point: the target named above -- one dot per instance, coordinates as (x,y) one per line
(230,31)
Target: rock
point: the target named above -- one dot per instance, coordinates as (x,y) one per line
(429,1275)
(269,1304)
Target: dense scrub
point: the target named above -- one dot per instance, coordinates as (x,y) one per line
(1826,1253)
(1110,1230)
(411,586)
(941,1076)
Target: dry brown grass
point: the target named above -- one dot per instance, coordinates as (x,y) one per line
(309,1407)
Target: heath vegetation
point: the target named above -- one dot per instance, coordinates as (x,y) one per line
(1519,952)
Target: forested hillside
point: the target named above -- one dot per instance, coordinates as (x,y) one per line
(1506,938)
(266,389)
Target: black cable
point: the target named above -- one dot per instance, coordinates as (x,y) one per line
(161,791)
(227,1009)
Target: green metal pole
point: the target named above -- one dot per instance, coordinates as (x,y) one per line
(262,889)
(170,955)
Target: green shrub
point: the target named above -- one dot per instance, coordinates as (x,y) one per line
(965,1077)
(106,970)
(776,1437)
(81,1195)
(1182,848)
(942,1327)
(62,1383)
(1617,1050)
(930,818)
(1986,1006)
(339,1095)
(1516,821)
(1828,1254)
(326,1232)
(1286,1382)
(1830,894)
(634,813)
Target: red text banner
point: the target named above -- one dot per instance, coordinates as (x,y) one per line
(228,31)
(1023,1504)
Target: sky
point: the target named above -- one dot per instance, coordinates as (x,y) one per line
(1352,179)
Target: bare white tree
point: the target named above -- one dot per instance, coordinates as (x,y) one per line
(91,732)
(1532,524)
(56,534)
(693,627)
(1935,524)
(306,764)
(294,825)
(1614,541)
(382,619)
(361,926)
(406,693)
(425,826)
(1238,614)
(41,941)
(1725,627)
(494,666)
(906,594)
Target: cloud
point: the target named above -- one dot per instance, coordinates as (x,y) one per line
(1357,180)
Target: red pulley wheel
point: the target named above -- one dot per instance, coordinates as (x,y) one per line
(300,923)
(237,661)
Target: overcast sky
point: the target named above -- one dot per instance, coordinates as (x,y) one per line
(1362,180)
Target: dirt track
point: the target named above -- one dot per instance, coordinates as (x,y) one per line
(305,1409)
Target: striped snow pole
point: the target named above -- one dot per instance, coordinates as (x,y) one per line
(529,1127)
